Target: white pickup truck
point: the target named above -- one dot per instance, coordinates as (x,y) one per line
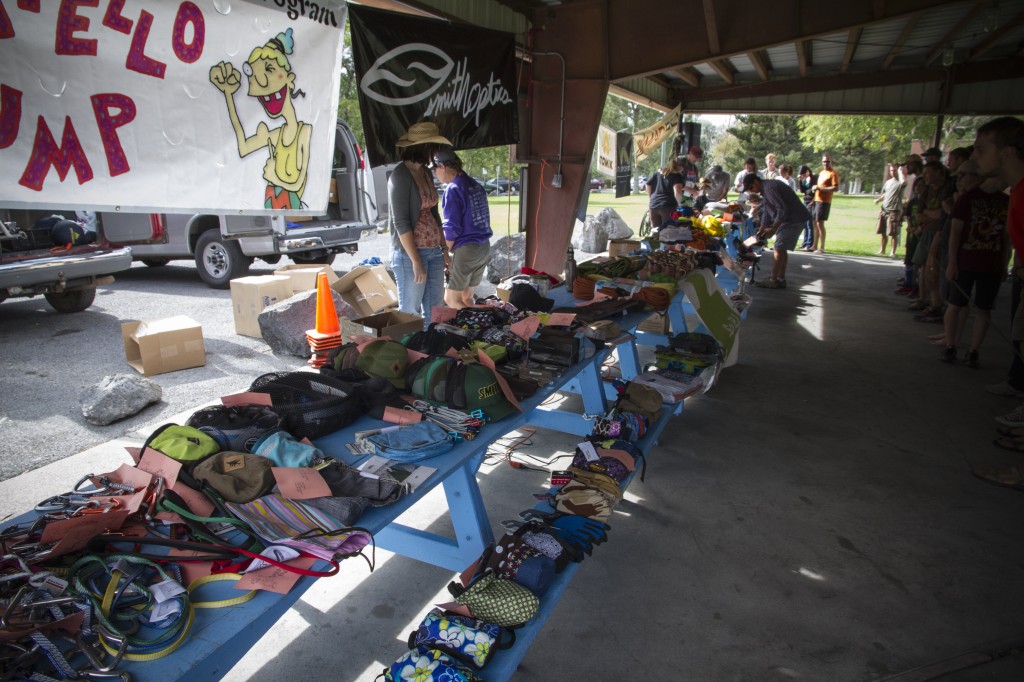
(223,246)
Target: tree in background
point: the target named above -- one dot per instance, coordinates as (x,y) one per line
(758,136)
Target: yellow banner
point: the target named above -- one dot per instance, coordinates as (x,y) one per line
(646,140)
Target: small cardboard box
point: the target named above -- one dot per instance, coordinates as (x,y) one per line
(251,295)
(304,277)
(392,324)
(622,247)
(368,290)
(164,345)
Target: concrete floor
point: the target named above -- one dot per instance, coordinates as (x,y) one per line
(811,518)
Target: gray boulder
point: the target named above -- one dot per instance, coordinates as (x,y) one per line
(593,238)
(614,225)
(284,324)
(118,396)
(508,256)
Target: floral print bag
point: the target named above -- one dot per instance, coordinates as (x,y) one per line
(465,639)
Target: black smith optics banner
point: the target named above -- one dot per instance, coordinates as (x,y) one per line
(411,69)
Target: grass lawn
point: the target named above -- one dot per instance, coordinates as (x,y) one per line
(849,230)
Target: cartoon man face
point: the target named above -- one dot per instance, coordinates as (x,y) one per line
(270,83)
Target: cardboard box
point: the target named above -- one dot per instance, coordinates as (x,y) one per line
(251,295)
(622,247)
(332,195)
(368,290)
(298,218)
(164,345)
(303,277)
(392,324)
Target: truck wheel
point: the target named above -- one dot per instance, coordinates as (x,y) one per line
(155,262)
(314,260)
(74,301)
(219,261)
(271,260)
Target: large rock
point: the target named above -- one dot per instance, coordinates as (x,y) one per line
(593,238)
(614,225)
(508,256)
(285,323)
(118,396)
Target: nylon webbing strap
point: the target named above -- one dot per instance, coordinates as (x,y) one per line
(221,603)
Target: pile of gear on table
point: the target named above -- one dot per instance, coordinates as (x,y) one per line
(238,499)
(689,241)
(504,589)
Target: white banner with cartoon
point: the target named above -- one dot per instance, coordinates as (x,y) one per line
(202,105)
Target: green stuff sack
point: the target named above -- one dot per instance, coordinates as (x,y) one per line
(494,600)
(182,443)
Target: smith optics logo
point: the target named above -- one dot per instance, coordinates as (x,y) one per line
(488,391)
(415,72)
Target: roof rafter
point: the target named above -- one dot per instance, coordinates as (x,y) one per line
(712,25)
(761,62)
(690,75)
(952,33)
(804,58)
(851,47)
(725,69)
(995,36)
(898,45)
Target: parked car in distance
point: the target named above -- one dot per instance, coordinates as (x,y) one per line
(596,184)
(500,186)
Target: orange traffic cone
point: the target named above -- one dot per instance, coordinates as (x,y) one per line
(326,313)
(327,334)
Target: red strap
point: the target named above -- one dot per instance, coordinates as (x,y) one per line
(290,569)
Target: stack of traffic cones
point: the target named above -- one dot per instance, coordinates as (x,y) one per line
(327,334)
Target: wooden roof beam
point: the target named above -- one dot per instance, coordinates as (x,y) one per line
(852,40)
(761,62)
(714,47)
(898,45)
(690,75)
(803,56)
(953,33)
(995,36)
(725,69)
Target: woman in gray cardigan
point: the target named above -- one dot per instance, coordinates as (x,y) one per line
(418,256)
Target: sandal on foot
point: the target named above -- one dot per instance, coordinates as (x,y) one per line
(1011,431)
(772,283)
(1007,477)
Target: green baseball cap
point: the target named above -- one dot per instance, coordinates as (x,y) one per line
(482,392)
(385,358)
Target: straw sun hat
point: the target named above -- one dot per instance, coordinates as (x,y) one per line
(424,132)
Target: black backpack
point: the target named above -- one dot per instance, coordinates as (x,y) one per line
(310,405)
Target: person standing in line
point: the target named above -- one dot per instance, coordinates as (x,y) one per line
(892,208)
(466,219)
(749,166)
(418,256)
(771,171)
(783,215)
(824,188)
(786,175)
(665,189)
(999,151)
(805,186)
(979,250)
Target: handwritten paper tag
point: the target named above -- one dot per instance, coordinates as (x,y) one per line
(74,534)
(198,503)
(160,465)
(526,327)
(247,398)
(561,319)
(300,483)
(274,579)
(442,314)
(397,416)
(191,571)
(134,453)
(588,450)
